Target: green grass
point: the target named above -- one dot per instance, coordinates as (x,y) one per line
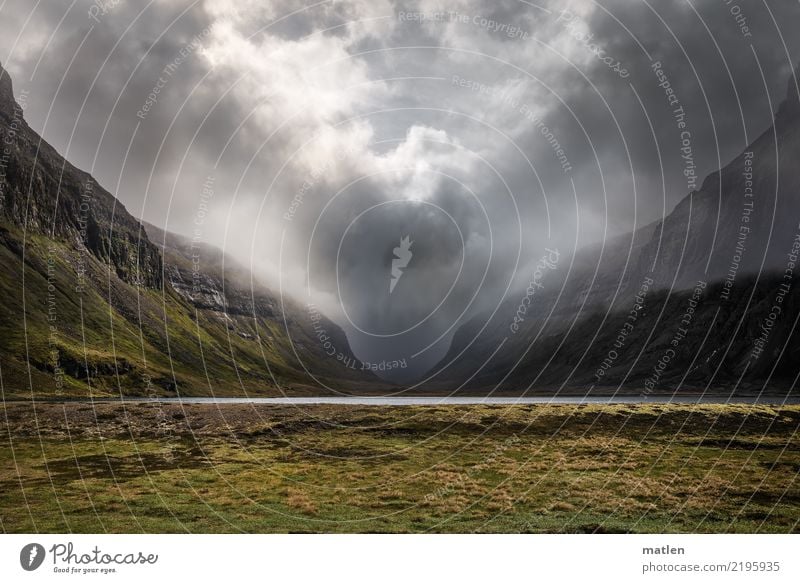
(114,337)
(559,468)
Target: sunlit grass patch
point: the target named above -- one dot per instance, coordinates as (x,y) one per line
(561,468)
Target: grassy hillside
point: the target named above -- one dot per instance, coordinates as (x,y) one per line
(91,306)
(66,336)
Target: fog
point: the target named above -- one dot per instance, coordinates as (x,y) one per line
(309,142)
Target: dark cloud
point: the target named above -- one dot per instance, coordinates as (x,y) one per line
(475,125)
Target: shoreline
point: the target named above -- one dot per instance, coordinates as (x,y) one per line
(377,401)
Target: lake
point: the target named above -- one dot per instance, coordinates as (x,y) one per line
(401,401)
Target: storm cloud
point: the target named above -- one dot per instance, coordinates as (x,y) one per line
(309,141)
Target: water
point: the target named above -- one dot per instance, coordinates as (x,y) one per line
(400,401)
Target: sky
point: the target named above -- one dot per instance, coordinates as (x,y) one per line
(308,140)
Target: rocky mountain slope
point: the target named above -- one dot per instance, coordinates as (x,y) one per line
(607,322)
(96,304)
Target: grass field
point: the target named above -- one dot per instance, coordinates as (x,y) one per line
(542,468)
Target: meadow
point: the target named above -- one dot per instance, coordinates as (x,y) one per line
(203,468)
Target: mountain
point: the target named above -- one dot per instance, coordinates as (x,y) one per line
(720,266)
(96,303)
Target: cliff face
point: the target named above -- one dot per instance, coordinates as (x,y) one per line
(43,193)
(744,217)
(221,289)
(10,107)
(735,234)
